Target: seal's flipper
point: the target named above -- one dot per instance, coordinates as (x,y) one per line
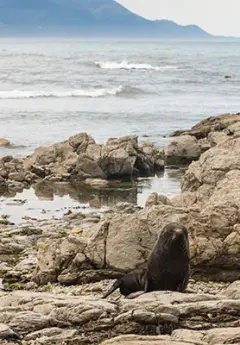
(115,286)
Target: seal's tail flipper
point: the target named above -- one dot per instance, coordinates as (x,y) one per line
(114,287)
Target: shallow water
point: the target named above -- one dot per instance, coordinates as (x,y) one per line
(48,201)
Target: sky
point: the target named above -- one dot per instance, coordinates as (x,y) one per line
(218,17)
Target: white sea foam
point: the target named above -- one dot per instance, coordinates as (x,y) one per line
(92,93)
(131,66)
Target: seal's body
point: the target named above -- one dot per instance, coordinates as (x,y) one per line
(167,267)
(168,264)
(128,284)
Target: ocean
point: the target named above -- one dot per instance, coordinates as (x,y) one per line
(51,89)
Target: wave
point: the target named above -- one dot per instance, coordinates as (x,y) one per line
(131,66)
(92,93)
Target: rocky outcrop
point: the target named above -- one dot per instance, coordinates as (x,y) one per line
(122,242)
(80,157)
(51,318)
(188,145)
(209,206)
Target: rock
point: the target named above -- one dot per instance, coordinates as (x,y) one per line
(96,182)
(118,157)
(125,207)
(211,124)
(57,317)
(212,131)
(4,142)
(215,138)
(182,150)
(53,256)
(233,130)
(123,241)
(223,336)
(146,340)
(6,332)
(81,158)
(213,166)
(153,154)
(232,291)
(12,171)
(3,185)
(210,337)
(40,171)
(16,176)
(156,199)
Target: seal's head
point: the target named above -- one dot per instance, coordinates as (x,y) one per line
(174,238)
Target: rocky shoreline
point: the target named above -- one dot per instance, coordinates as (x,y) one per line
(55,271)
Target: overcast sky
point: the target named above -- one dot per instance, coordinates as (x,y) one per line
(221,17)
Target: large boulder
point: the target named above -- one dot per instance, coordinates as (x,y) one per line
(182,150)
(80,157)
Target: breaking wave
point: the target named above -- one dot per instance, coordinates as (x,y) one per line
(92,93)
(131,66)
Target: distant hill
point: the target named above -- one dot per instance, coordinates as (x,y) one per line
(84,17)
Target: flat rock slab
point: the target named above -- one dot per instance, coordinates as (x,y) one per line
(55,318)
(138,340)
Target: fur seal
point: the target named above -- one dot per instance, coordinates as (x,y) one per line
(129,283)
(168,265)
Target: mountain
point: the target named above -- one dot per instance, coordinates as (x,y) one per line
(84,17)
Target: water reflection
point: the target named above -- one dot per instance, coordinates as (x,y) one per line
(47,200)
(107,195)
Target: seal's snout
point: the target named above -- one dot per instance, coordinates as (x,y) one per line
(177,233)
